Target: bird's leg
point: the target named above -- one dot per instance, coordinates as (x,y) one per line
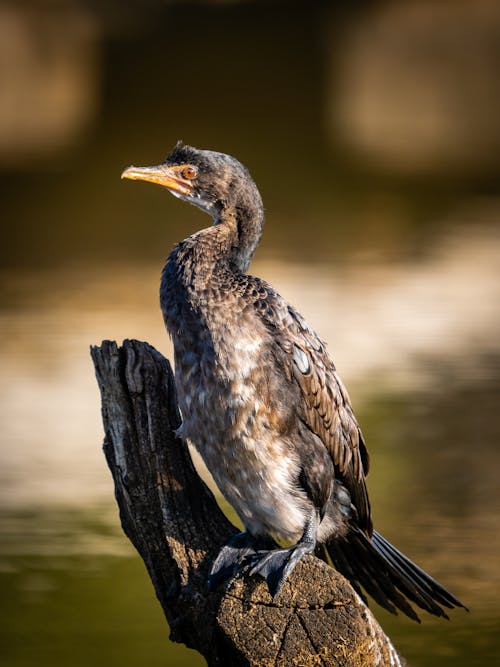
(234,556)
(277,565)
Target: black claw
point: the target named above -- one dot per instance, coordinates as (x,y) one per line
(276,566)
(231,559)
(263,556)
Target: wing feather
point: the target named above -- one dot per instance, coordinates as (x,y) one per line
(326,408)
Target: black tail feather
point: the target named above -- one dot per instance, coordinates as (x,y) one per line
(387,575)
(364,568)
(423,580)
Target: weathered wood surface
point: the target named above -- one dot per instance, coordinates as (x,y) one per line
(173,520)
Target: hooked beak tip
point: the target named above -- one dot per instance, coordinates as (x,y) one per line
(129,172)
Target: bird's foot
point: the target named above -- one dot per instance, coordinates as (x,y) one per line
(277,565)
(233,557)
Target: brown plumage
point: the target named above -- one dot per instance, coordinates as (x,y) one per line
(325,408)
(262,402)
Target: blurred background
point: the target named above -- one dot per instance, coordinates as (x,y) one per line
(373,132)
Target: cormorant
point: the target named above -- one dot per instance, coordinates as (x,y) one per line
(262,402)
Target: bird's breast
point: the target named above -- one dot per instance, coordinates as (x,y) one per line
(219,375)
(233,412)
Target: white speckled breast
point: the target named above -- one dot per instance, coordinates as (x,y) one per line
(224,390)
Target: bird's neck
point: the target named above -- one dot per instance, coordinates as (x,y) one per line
(226,248)
(239,228)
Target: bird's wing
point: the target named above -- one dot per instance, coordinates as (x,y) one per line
(326,408)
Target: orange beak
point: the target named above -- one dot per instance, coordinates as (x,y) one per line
(168,177)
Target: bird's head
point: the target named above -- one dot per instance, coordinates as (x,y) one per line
(212,181)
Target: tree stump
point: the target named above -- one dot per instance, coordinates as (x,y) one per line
(174,522)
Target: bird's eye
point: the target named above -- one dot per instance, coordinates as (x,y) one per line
(189,173)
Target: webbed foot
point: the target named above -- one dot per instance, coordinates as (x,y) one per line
(233,557)
(277,565)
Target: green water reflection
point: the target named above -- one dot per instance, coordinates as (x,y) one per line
(84,610)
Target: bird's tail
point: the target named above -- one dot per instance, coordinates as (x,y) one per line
(388,575)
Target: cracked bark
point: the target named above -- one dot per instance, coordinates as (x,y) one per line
(174,522)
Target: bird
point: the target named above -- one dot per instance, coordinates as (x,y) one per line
(262,402)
